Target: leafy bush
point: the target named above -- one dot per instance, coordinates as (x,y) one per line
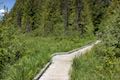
(11,49)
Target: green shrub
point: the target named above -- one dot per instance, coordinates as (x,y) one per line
(11,49)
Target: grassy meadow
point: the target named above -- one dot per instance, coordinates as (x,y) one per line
(38,53)
(95,65)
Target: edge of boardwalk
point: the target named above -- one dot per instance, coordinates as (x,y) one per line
(41,72)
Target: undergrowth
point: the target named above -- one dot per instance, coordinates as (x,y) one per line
(38,53)
(99,64)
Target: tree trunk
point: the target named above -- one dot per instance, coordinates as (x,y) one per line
(28,29)
(78,14)
(19,19)
(65,14)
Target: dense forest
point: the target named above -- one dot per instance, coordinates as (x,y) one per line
(35,29)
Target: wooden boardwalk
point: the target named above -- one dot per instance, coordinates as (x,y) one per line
(62,64)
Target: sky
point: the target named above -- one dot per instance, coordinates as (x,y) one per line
(8,3)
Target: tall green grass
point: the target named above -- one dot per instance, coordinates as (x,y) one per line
(39,50)
(96,66)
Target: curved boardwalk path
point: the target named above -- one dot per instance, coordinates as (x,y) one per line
(62,64)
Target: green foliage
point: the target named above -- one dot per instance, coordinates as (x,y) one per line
(87,18)
(39,50)
(47,17)
(22,55)
(11,49)
(111,32)
(99,8)
(103,62)
(99,64)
